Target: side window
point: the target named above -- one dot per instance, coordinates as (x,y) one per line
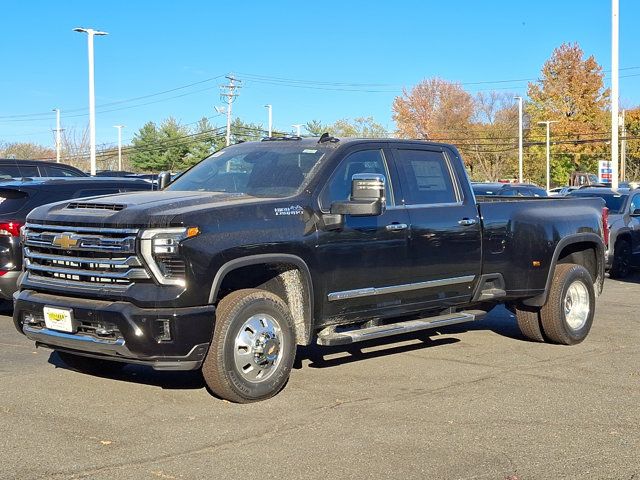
(425,177)
(339,186)
(95,193)
(17,171)
(53,171)
(635,203)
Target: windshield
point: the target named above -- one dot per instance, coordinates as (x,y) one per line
(487,189)
(256,169)
(615,201)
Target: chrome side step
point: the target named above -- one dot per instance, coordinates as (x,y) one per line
(329,336)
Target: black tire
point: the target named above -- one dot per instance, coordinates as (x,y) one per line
(529,322)
(553,315)
(621,265)
(94,366)
(220,369)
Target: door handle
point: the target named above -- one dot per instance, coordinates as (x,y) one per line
(467,221)
(394,227)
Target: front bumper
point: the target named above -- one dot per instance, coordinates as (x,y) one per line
(135,335)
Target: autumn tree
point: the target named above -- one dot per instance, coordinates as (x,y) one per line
(489,150)
(433,109)
(26,151)
(570,91)
(632,128)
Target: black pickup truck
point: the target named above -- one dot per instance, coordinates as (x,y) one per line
(267,245)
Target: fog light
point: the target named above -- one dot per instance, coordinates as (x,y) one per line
(162,330)
(29,319)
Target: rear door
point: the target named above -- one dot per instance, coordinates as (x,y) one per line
(634,225)
(445,234)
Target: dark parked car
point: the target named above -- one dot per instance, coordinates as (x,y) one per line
(624,227)
(508,190)
(267,245)
(19,197)
(10,168)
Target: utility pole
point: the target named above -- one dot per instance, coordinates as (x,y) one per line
(92,97)
(520,163)
(58,130)
(119,127)
(623,148)
(268,107)
(228,95)
(547,123)
(297,127)
(615,91)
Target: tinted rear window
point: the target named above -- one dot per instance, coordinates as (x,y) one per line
(18,171)
(614,202)
(12,200)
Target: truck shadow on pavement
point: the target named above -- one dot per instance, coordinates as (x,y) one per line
(499,321)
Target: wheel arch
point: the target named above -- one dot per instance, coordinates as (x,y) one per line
(586,249)
(285,275)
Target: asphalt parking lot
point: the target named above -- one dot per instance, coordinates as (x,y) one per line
(476,401)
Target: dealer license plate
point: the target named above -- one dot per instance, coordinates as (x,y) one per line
(58,319)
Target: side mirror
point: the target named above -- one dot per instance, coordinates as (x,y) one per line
(367,196)
(164,179)
(636,212)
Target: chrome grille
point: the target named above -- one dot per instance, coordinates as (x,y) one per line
(82,256)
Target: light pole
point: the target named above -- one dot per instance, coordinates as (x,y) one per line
(614,92)
(547,123)
(268,107)
(58,148)
(623,148)
(297,127)
(520,166)
(92,96)
(119,127)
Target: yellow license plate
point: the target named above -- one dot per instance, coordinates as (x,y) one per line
(58,319)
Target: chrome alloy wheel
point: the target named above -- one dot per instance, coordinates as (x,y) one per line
(576,305)
(257,350)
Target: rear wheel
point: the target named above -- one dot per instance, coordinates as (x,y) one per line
(94,366)
(529,322)
(568,314)
(621,266)
(253,347)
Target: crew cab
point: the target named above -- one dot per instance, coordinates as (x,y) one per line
(267,245)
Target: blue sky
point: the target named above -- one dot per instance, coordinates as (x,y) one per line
(353,58)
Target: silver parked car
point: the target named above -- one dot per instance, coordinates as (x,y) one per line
(624,227)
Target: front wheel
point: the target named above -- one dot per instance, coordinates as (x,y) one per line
(567,315)
(253,347)
(621,266)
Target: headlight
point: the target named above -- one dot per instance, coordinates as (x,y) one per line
(160,248)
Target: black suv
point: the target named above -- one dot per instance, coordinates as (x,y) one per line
(11,168)
(19,197)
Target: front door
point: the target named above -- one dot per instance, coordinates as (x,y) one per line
(368,253)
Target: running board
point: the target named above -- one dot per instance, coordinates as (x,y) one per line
(330,337)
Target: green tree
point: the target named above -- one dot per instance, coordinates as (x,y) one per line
(316,128)
(147,150)
(361,127)
(570,91)
(246,132)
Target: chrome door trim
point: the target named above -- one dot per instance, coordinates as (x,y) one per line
(371,291)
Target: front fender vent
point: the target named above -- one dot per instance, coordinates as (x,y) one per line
(96,206)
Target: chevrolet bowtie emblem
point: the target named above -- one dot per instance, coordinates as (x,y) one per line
(64,241)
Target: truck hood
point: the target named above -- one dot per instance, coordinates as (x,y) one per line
(136,209)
